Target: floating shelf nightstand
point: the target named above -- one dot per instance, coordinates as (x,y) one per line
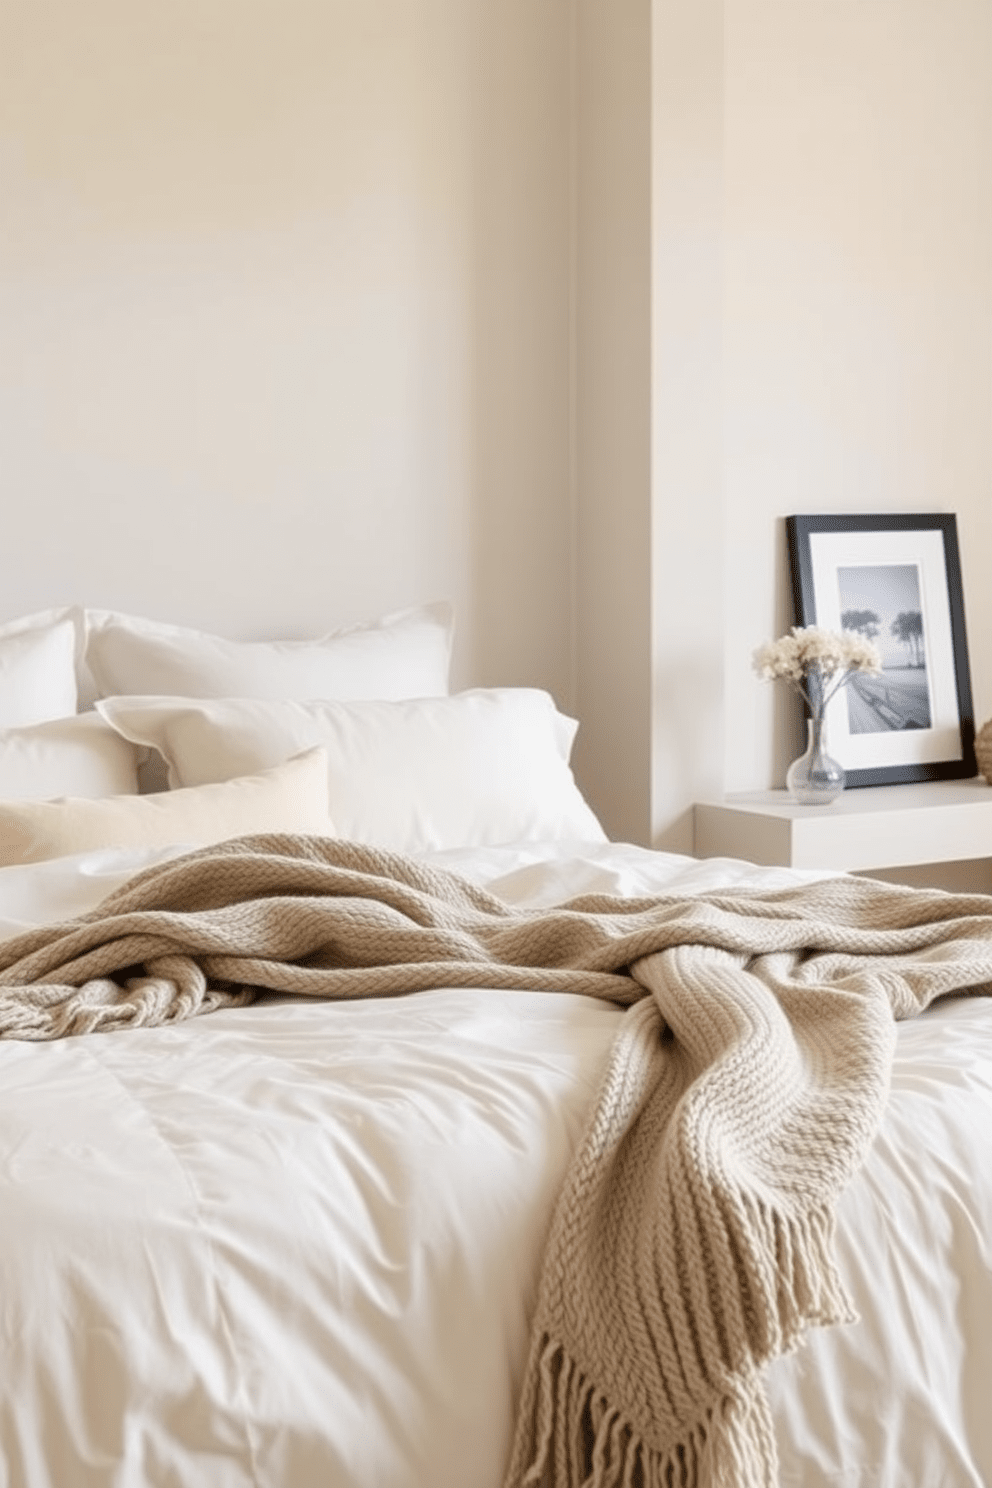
(890,826)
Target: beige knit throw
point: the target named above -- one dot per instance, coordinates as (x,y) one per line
(692,1239)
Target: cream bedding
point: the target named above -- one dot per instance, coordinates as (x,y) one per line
(299,1243)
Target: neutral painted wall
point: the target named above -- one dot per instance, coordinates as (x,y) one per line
(819,287)
(858,305)
(612,270)
(312,310)
(688,532)
(649,285)
(284,315)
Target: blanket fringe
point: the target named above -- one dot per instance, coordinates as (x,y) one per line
(794,1284)
(579,1440)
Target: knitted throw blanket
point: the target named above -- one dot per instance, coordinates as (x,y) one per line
(692,1239)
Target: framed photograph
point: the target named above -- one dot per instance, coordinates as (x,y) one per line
(897,580)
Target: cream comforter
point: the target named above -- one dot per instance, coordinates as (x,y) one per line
(691,1242)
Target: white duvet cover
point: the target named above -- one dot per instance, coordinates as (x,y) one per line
(295,1245)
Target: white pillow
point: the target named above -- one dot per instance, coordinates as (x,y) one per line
(289,798)
(37,669)
(77,756)
(406,654)
(476,768)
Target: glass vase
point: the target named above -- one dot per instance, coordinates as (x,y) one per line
(814,779)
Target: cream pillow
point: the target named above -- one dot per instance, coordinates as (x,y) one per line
(476,768)
(76,756)
(37,669)
(292,797)
(406,654)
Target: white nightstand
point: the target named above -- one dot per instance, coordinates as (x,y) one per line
(880,827)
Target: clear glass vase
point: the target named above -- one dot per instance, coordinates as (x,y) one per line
(814,779)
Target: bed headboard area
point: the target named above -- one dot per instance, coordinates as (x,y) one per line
(259,376)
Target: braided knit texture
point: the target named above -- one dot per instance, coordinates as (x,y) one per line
(692,1239)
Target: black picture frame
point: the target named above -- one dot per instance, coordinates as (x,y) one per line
(899,575)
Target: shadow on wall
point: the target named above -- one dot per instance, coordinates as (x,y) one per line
(788,733)
(688,734)
(520,517)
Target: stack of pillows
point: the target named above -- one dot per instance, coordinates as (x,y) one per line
(117,731)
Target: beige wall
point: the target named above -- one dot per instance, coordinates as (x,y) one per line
(316,309)
(688,535)
(858,307)
(649,582)
(612,269)
(820,294)
(284,315)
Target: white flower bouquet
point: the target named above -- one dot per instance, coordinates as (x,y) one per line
(816,662)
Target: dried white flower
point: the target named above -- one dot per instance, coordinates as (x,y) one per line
(808,657)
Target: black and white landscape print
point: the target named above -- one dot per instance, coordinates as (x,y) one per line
(882,602)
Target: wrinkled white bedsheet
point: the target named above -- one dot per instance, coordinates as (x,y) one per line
(295,1245)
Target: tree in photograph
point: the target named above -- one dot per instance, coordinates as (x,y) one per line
(865,622)
(907,627)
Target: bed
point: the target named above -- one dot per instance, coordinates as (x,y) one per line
(302,1239)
